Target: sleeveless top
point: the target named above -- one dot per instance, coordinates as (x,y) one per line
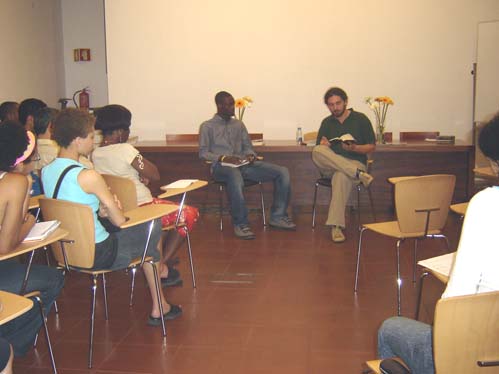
(70,190)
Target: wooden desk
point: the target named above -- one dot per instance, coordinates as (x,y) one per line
(181,161)
(12,306)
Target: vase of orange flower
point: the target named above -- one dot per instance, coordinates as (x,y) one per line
(379,105)
(241,105)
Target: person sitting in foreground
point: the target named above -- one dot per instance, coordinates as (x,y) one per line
(73,130)
(6,357)
(116,157)
(17,149)
(474,270)
(224,139)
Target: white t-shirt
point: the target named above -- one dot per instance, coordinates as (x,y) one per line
(116,159)
(476,266)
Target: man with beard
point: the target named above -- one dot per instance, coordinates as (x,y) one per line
(342,160)
(225,142)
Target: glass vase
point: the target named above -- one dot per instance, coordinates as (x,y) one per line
(380,135)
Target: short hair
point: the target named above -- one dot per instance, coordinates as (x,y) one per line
(488,141)
(28,108)
(13,143)
(220,96)
(335,91)
(42,119)
(112,117)
(6,108)
(70,124)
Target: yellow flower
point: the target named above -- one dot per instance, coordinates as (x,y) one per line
(248,99)
(240,103)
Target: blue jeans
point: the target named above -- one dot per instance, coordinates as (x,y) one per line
(410,340)
(21,331)
(258,171)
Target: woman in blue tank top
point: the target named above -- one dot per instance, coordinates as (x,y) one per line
(73,130)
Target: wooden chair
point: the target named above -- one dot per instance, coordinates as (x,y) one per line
(326,182)
(77,251)
(419,216)
(125,189)
(417,136)
(465,335)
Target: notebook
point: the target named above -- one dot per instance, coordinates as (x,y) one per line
(41,230)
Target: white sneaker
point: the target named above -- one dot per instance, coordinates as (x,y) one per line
(365,178)
(337,234)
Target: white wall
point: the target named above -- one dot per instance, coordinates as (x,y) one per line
(31,57)
(167,59)
(83,27)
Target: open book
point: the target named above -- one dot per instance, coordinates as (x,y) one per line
(231,165)
(345,138)
(41,230)
(181,183)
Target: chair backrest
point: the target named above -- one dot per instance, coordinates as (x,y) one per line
(408,136)
(466,330)
(432,192)
(78,220)
(124,188)
(194,138)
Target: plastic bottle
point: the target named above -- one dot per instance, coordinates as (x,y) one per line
(299,136)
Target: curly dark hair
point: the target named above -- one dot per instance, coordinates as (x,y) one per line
(6,108)
(335,91)
(488,141)
(112,117)
(70,124)
(13,143)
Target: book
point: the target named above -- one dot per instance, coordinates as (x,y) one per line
(231,165)
(345,138)
(440,264)
(181,183)
(41,230)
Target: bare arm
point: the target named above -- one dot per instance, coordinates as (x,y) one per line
(16,223)
(359,148)
(92,182)
(145,168)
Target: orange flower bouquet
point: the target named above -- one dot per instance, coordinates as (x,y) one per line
(379,105)
(241,105)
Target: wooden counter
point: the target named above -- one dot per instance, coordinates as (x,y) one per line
(181,161)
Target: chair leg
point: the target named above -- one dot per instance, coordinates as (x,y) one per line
(191,263)
(420,293)
(373,211)
(358,206)
(358,259)
(47,336)
(221,206)
(399,280)
(92,320)
(415,261)
(47,258)
(158,295)
(262,202)
(132,286)
(314,205)
(104,292)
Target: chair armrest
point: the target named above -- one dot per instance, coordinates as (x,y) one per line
(147,213)
(26,247)
(13,306)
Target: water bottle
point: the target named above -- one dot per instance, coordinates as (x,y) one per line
(299,136)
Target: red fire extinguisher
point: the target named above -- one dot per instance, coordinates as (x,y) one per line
(83,99)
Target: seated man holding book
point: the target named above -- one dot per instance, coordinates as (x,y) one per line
(224,140)
(343,142)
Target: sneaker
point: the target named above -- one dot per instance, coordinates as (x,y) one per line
(244,232)
(337,234)
(365,178)
(283,223)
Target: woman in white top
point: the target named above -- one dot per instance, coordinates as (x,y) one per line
(117,157)
(474,270)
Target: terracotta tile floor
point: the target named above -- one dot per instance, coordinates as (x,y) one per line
(283,303)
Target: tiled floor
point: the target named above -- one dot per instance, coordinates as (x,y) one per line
(283,303)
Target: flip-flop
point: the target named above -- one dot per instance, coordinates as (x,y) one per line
(174,312)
